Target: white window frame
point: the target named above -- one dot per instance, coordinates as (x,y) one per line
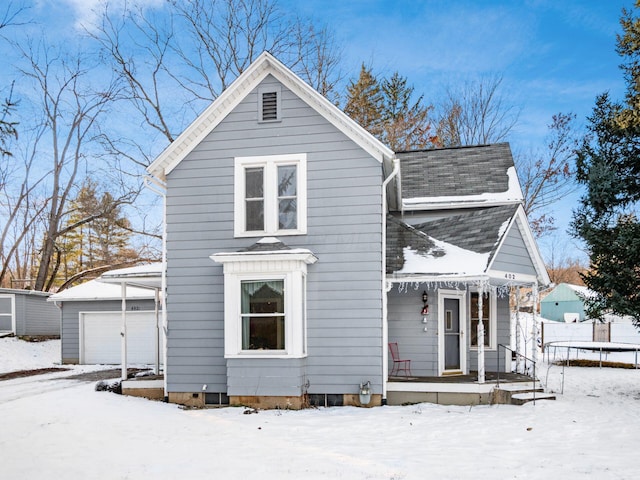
(12,315)
(289,267)
(493,320)
(270,164)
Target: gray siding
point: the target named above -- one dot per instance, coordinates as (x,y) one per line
(39,316)
(70,320)
(406,328)
(513,255)
(344,232)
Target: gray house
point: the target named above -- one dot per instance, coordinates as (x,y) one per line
(298,247)
(27,313)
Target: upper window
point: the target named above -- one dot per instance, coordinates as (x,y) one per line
(269,104)
(488,319)
(270,195)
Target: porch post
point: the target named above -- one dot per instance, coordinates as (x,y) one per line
(480,336)
(123,331)
(517,329)
(534,346)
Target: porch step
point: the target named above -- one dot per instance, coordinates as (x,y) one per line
(519,394)
(522,398)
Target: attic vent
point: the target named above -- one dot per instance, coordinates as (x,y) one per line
(269,106)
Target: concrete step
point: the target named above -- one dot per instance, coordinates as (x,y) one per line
(526,397)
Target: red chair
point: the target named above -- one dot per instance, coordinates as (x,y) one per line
(398,364)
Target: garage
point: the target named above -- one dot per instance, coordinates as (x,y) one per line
(100,339)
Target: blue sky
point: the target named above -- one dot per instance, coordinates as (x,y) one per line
(554,56)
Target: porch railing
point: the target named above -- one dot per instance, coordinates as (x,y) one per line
(518,354)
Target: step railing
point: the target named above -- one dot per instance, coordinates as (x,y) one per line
(518,354)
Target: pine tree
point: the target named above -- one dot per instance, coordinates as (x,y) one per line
(608,165)
(365,102)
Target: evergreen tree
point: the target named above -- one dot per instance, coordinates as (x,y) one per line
(608,165)
(365,102)
(386,110)
(406,124)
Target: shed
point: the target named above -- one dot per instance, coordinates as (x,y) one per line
(26,312)
(91,319)
(565,303)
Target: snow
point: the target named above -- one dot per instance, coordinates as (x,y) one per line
(445,258)
(96,290)
(57,428)
(512,194)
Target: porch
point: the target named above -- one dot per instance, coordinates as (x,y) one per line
(460,389)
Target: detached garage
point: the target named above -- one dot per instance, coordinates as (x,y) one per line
(91,319)
(26,312)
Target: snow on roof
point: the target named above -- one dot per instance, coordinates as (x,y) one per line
(95,290)
(444,259)
(581,290)
(512,194)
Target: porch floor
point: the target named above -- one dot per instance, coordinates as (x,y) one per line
(471,377)
(455,389)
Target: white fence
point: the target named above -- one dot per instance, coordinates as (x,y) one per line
(588,332)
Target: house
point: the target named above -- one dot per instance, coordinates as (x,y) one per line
(27,313)
(565,303)
(298,247)
(91,315)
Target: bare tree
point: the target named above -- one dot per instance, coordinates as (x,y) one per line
(547,176)
(173,68)
(475,113)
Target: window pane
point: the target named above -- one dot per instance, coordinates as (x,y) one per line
(485,319)
(287,183)
(254,211)
(5,305)
(254,180)
(287,214)
(263,315)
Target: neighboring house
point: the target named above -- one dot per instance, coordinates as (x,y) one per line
(91,319)
(27,313)
(298,246)
(565,303)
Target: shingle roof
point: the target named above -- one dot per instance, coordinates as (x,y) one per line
(476,231)
(471,170)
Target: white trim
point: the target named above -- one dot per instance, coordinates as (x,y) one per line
(493,321)
(12,296)
(460,295)
(270,163)
(522,223)
(292,270)
(264,65)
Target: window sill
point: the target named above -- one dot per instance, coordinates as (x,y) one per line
(279,233)
(263,355)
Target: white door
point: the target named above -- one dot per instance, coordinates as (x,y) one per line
(100,338)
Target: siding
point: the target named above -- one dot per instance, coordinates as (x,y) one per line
(513,255)
(40,317)
(406,328)
(344,326)
(70,321)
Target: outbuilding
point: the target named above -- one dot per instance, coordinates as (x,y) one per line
(27,313)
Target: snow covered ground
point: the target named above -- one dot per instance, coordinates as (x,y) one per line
(56,428)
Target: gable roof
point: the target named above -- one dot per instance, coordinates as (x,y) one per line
(461,245)
(481,175)
(264,65)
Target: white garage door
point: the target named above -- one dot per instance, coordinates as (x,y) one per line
(100,338)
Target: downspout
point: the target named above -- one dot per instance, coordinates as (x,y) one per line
(385,289)
(160,188)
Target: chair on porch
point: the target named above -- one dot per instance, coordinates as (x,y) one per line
(399,365)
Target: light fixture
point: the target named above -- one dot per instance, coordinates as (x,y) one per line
(365,393)
(425,301)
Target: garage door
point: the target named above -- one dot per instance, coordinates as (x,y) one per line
(100,339)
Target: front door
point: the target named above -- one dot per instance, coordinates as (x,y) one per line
(451,334)
(452,358)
